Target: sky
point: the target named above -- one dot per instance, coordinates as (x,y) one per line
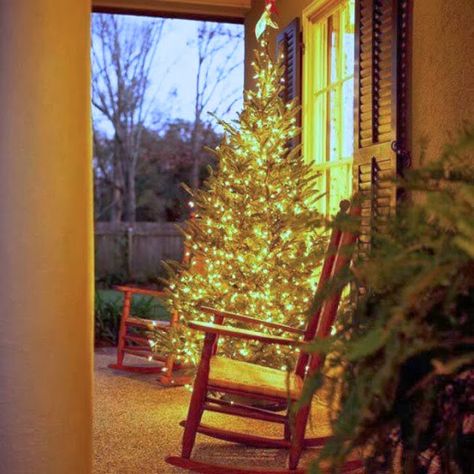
(174,69)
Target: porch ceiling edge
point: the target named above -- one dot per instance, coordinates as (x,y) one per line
(222,10)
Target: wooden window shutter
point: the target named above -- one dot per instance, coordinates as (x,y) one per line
(289,43)
(380,108)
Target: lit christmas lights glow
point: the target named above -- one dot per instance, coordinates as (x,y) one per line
(258,241)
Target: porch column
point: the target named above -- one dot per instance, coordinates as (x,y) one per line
(46,229)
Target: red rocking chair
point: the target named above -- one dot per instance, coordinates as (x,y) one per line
(223,375)
(136,338)
(136,334)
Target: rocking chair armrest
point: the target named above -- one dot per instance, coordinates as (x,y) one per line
(140,291)
(230,331)
(250,320)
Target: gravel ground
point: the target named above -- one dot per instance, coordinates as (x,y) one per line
(136,426)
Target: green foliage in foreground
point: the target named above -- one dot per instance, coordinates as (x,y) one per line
(108,312)
(407,353)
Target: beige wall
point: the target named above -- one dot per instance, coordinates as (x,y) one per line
(442,84)
(45,238)
(442,69)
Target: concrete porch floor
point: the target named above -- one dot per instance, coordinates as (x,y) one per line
(136,426)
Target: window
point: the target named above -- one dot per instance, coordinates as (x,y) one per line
(328,136)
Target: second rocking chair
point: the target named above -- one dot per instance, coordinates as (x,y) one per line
(223,375)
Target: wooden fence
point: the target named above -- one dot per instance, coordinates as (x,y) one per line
(134,252)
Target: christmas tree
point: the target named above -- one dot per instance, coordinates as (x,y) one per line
(257,239)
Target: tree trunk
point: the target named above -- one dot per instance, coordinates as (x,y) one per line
(116,210)
(195,155)
(131,198)
(195,173)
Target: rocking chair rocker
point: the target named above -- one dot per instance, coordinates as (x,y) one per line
(223,375)
(136,335)
(135,338)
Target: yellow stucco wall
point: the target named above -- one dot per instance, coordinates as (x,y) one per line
(442,67)
(442,85)
(46,229)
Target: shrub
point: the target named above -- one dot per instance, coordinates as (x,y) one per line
(108,312)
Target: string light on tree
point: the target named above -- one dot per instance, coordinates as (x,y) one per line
(257,239)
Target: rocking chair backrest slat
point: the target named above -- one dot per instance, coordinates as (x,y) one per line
(330,306)
(338,258)
(326,271)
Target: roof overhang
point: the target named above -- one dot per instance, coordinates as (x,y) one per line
(219,10)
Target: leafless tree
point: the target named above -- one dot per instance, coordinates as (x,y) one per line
(122,56)
(216,47)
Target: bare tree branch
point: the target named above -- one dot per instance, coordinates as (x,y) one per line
(216,50)
(123,56)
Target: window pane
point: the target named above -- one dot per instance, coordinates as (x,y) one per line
(340,186)
(331,129)
(348,118)
(319,131)
(321,185)
(334,47)
(333,125)
(348,32)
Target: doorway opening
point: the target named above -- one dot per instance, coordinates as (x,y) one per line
(158,85)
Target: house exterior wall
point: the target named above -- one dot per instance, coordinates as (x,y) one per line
(442,85)
(46,229)
(442,67)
